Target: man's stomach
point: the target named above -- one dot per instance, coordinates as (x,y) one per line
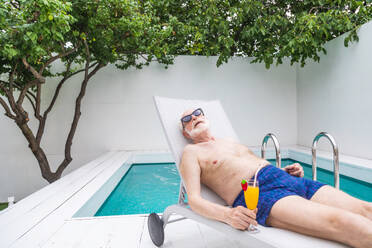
(226,181)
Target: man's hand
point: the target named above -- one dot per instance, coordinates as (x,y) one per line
(241,217)
(294,170)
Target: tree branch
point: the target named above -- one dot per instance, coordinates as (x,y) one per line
(38,101)
(146,59)
(42,121)
(51,60)
(10,99)
(77,114)
(38,76)
(11,78)
(20,89)
(7,109)
(25,90)
(55,96)
(30,94)
(99,66)
(39,79)
(33,105)
(88,60)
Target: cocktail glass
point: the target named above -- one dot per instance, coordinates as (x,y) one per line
(251,199)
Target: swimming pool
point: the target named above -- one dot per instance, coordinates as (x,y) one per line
(147,188)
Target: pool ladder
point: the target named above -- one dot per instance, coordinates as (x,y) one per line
(336,166)
(277,148)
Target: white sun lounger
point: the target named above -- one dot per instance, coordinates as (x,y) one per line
(169,111)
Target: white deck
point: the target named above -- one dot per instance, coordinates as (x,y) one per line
(131,231)
(44,219)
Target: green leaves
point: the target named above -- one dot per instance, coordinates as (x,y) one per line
(270,31)
(32,30)
(134,33)
(124,32)
(9,51)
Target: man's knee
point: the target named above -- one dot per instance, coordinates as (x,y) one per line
(339,220)
(366,209)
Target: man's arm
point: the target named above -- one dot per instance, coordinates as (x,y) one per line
(238,217)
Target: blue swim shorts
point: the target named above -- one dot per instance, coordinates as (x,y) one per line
(276,184)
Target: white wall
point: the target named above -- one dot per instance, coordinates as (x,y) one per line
(335,96)
(118,113)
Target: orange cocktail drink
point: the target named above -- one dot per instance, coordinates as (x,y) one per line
(251,196)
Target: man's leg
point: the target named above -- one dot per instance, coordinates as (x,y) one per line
(311,218)
(330,196)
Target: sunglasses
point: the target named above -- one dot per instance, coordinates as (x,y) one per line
(188,118)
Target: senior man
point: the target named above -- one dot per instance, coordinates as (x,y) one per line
(286,200)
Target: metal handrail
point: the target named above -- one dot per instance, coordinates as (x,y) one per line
(335,157)
(277,148)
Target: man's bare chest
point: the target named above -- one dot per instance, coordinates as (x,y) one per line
(215,155)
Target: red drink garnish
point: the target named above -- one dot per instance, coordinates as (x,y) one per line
(244,185)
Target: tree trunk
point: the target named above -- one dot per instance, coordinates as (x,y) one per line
(38,152)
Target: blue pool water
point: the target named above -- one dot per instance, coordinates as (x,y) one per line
(145,188)
(148,188)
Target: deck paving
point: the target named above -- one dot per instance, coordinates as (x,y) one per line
(131,231)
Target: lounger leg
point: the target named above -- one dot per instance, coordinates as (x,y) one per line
(156,229)
(156,225)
